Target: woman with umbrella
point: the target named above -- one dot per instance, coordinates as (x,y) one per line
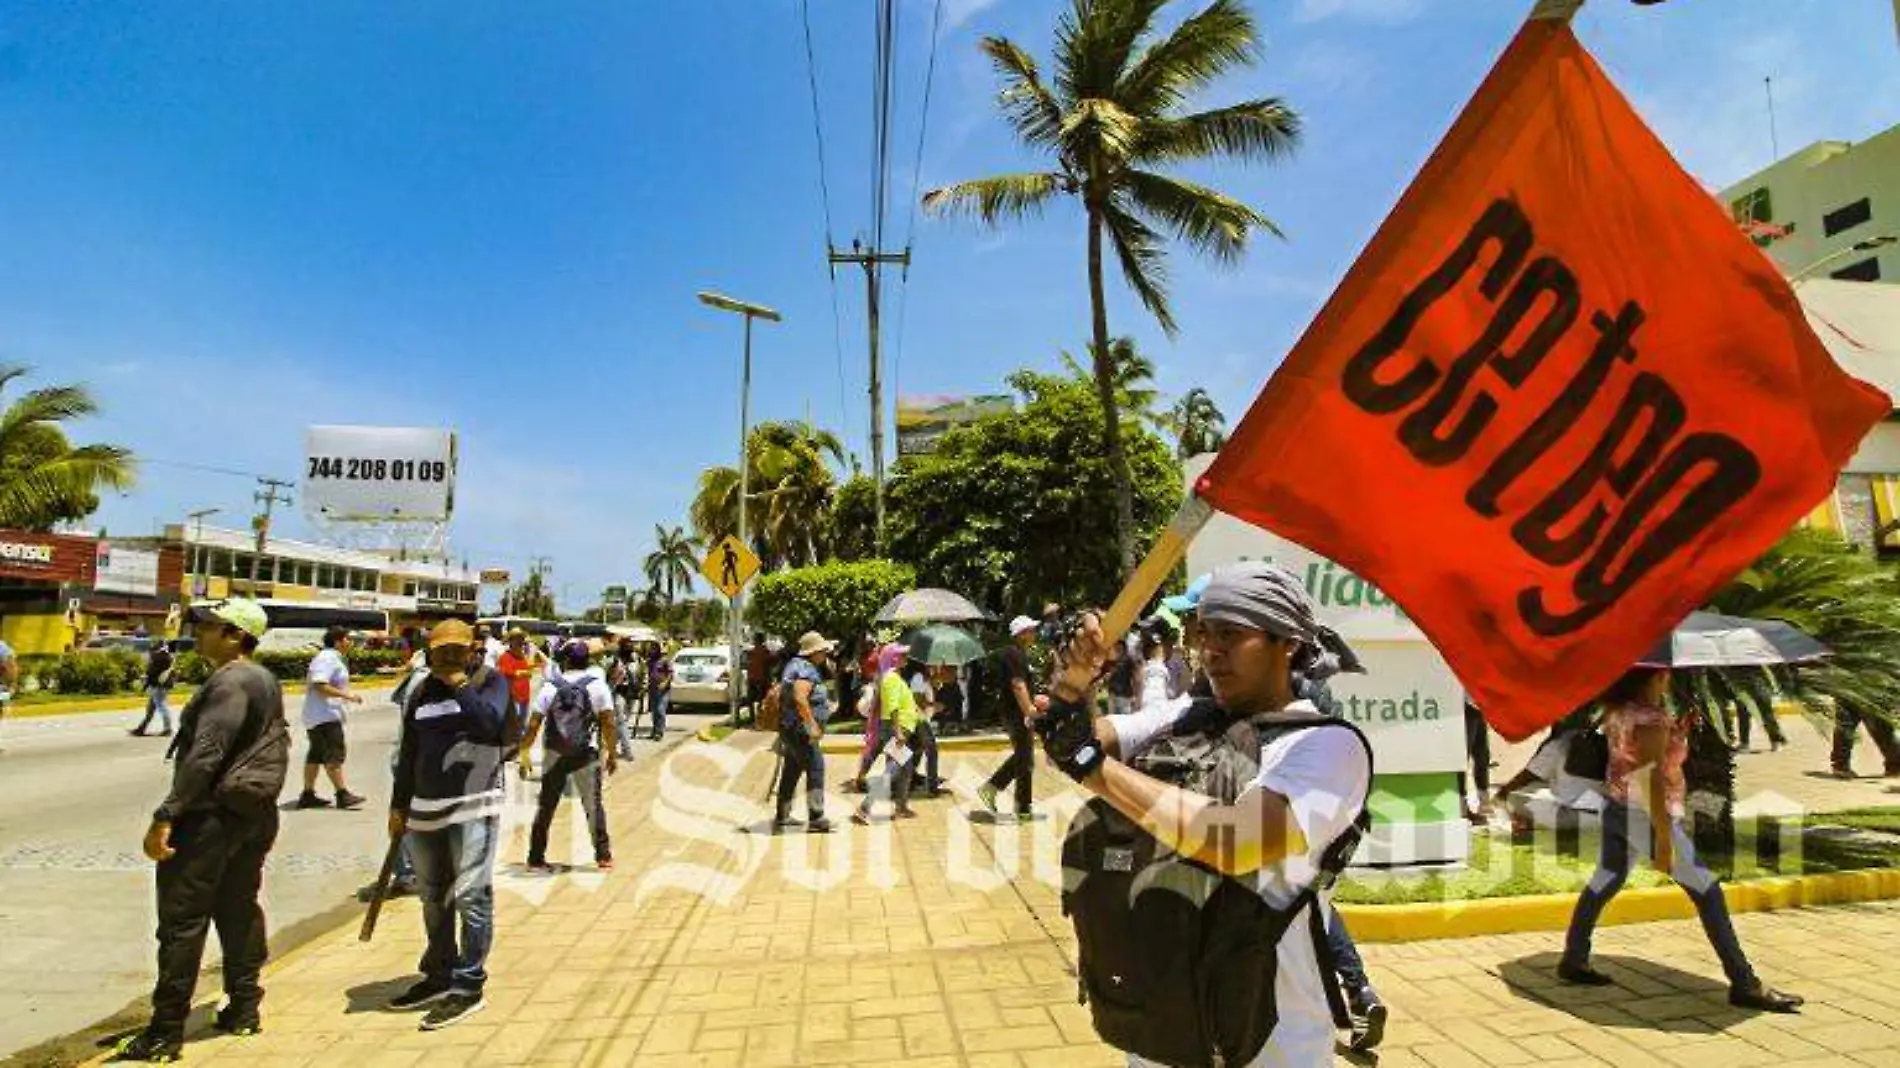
(903,718)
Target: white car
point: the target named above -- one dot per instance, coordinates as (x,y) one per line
(700,676)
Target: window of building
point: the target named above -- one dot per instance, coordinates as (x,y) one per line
(241,565)
(1867,270)
(218,563)
(1846,218)
(408,589)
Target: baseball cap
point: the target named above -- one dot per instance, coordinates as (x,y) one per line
(1020,624)
(240,612)
(574,654)
(451,632)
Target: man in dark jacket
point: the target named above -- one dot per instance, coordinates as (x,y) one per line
(448,799)
(212,833)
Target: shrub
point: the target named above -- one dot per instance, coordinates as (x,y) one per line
(190,669)
(288,666)
(837,600)
(364,661)
(106,671)
(39,672)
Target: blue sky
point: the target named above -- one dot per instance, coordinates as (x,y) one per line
(233,219)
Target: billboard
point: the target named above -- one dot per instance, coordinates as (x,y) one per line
(921,420)
(369,474)
(125,570)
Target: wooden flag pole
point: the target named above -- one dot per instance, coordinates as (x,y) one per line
(1169,550)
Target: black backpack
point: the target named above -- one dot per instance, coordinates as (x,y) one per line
(1178,962)
(570,717)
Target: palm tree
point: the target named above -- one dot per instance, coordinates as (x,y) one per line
(44,478)
(1197,423)
(1133,375)
(792,487)
(670,567)
(1113,115)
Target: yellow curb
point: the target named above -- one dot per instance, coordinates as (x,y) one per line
(1551,912)
(120,702)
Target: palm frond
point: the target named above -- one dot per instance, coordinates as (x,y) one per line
(1032,110)
(1215,225)
(1261,130)
(1144,264)
(51,405)
(1094,41)
(993,200)
(1217,39)
(1097,132)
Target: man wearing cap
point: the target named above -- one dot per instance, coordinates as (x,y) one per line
(1020,768)
(1257,631)
(448,798)
(214,830)
(578,759)
(804,706)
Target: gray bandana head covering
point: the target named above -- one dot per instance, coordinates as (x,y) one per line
(1266,597)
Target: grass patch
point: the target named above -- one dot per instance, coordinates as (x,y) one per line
(1523,866)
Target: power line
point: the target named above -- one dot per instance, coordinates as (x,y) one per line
(824,194)
(202,467)
(916,183)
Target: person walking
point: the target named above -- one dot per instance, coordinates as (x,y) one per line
(1478,755)
(1154,689)
(446,805)
(158,690)
(870,707)
(577,710)
(1645,792)
(1020,710)
(326,691)
(623,679)
(1847,724)
(930,686)
(758,675)
(214,830)
(659,687)
(804,706)
(904,719)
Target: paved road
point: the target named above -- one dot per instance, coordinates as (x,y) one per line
(76,909)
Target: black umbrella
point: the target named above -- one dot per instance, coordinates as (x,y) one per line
(1711,640)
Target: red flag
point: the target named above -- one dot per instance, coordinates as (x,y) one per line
(1556,404)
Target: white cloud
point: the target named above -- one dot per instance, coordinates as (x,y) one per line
(1389,12)
(956,13)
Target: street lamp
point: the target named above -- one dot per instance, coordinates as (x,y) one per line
(1865,245)
(749,312)
(197,550)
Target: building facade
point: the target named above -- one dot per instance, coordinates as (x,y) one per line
(1818,210)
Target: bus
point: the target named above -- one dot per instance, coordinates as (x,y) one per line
(538,630)
(300,625)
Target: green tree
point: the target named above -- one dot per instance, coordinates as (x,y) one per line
(792,485)
(1005,510)
(838,600)
(1114,115)
(1134,376)
(530,598)
(669,567)
(44,478)
(1198,425)
(853,534)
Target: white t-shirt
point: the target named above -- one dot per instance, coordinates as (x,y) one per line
(598,695)
(1154,683)
(326,667)
(1324,774)
(1568,790)
(926,694)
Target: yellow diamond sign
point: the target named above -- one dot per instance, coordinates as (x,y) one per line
(729,566)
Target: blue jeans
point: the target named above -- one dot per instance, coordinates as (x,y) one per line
(660,702)
(1623,827)
(455,877)
(626,707)
(155,698)
(802,759)
(1350,967)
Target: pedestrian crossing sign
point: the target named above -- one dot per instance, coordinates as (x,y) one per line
(729,566)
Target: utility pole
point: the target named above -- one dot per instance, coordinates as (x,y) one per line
(269,497)
(539,567)
(872,261)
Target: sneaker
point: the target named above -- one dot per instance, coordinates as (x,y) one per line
(604,864)
(987,794)
(240,1022)
(426,992)
(1583,975)
(400,888)
(540,867)
(453,1009)
(905,814)
(785,823)
(348,801)
(1843,773)
(150,1047)
(818,825)
(309,799)
(136,734)
(861,818)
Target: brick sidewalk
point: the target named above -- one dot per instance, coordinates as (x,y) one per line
(714,946)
